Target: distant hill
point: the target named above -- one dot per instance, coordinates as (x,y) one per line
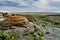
(34,13)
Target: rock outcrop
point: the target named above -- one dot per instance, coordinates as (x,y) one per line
(14,20)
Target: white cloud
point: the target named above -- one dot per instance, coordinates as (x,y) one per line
(44,5)
(21,2)
(56,0)
(41,5)
(16,9)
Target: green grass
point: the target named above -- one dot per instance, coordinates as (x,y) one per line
(49,24)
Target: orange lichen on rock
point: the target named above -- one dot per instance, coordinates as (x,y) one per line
(15,20)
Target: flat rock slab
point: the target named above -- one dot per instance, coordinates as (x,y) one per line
(21,30)
(17,30)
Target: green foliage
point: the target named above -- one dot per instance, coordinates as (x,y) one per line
(7,36)
(39,33)
(42,38)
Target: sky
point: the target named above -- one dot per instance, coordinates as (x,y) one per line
(29,5)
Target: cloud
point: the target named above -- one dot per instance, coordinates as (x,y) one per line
(48,5)
(55,3)
(15,9)
(30,5)
(42,4)
(17,3)
(56,0)
(23,2)
(17,6)
(8,3)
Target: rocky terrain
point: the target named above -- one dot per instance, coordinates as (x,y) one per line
(54,33)
(51,33)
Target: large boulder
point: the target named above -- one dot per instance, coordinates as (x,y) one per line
(21,21)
